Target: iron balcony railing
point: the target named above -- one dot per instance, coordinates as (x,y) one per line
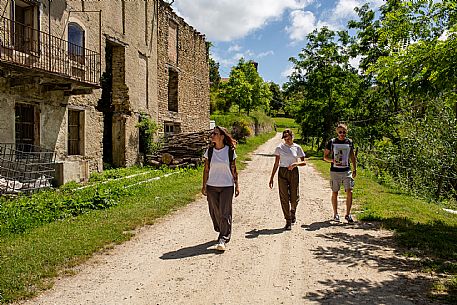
(25,46)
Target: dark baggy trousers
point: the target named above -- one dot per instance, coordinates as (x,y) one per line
(288,191)
(220,208)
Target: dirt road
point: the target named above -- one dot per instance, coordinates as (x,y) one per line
(318,262)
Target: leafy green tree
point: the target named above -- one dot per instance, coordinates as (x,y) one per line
(238,89)
(418,72)
(217,100)
(326,81)
(246,88)
(214,75)
(277,99)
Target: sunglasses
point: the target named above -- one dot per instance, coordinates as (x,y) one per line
(341,132)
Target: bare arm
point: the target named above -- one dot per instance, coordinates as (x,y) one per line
(298,163)
(235,177)
(326,155)
(354,163)
(205,177)
(273,172)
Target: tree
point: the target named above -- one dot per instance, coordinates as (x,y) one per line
(326,81)
(418,71)
(277,99)
(217,102)
(246,88)
(214,75)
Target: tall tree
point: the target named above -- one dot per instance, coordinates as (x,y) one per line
(277,99)
(214,75)
(246,88)
(327,82)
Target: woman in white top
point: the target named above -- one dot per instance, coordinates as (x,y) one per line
(219,177)
(288,156)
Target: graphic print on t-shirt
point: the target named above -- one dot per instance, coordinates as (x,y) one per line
(341,155)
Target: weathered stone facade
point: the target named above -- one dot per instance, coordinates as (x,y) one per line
(183,51)
(55,82)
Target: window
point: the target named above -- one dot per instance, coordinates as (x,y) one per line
(75,131)
(76,42)
(26,125)
(171,128)
(172,90)
(24,26)
(173,42)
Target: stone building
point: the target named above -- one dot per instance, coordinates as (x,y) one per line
(75,76)
(183,75)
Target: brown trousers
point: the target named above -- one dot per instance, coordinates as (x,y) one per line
(288,191)
(220,209)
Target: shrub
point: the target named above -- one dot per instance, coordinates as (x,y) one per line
(148,129)
(241,130)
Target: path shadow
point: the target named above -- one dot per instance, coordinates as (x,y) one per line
(362,249)
(196,250)
(255,233)
(315,226)
(265,155)
(417,247)
(366,250)
(402,290)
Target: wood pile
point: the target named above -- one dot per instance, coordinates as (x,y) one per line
(181,150)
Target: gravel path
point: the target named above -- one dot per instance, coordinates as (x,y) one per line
(318,262)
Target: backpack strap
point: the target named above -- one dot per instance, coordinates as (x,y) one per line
(332,141)
(230,153)
(210,154)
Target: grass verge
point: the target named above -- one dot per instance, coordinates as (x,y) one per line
(423,229)
(283,123)
(29,260)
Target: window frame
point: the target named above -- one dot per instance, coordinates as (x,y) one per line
(75,132)
(173,90)
(76,48)
(24,32)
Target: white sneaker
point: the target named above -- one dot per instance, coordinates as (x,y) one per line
(221,245)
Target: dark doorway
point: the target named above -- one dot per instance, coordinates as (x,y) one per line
(106,106)
(27,124)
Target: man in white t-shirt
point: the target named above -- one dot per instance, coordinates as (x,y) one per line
(340,152)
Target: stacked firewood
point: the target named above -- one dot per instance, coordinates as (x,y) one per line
(181,150)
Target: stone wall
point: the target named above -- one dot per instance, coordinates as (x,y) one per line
(193,73)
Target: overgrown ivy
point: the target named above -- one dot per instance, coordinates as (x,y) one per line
(148,128)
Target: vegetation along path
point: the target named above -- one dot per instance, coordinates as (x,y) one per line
(318,262)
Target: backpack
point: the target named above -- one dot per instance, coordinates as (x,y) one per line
(210,154)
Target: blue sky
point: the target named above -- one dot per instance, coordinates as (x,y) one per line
(266,31)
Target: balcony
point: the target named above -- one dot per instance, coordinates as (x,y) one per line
(59,63)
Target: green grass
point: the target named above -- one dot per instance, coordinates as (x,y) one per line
(283,123)
(29,260)
(421,228)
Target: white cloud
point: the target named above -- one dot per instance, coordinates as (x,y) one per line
(355,61)
(344,11)
(225,20)
(302,23)
(264,54)
(234,48)
(286,73)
